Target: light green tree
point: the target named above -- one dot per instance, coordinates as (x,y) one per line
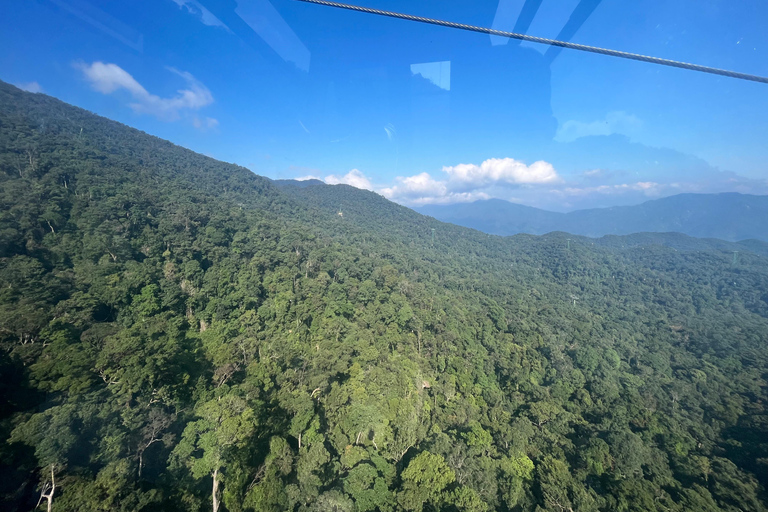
(424,481)
(225,423)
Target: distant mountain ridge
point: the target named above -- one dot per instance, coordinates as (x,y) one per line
(726,216)
(367,209)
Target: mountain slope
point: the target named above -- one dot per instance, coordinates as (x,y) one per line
(175,328)
(372,211)
(727,216)
(496,217)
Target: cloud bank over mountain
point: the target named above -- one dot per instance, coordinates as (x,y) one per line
(628,173)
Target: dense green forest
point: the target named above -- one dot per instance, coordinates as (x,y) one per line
(181,334)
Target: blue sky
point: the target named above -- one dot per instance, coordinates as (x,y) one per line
(418,113)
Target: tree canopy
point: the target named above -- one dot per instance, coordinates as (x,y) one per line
(181,334)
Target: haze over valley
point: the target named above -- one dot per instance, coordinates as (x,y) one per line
(728,216)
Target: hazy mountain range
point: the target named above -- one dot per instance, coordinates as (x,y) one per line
(727,216)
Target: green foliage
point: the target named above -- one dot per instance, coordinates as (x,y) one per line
(225,423)
(467,500)
(175,328)
(424,480)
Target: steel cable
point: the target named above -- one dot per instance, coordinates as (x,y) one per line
(544,40)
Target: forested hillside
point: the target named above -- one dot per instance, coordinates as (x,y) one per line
(181,334)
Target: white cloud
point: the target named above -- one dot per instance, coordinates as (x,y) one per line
(308,177)
(195,8)
(648,188)
(469,182)
(501,170)
(614,122)
(354,178)
(205,124)
(533,185)
(415,191)
(108,78)
(30,87)
(390,131)
(415,188)
(537,185)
